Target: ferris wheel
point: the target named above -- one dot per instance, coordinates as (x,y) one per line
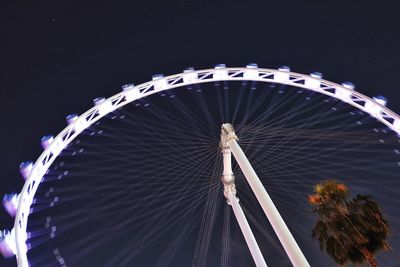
(163,135)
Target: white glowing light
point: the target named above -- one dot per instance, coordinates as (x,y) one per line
(159,82)
(251,71)
(46,141)
(10,203)
(25,168)
(374,107)
(314,81)
(221,72)
(345,93)
(282,75)
(77,123)
(131,92)
(7,243)
(104,105)
(189,76)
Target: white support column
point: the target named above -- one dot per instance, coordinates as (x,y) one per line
(285,236)
(228,180)
(246,230)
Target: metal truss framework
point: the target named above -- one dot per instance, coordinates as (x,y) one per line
(160,83)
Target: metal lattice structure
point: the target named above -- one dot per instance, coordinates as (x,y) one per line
(76,124)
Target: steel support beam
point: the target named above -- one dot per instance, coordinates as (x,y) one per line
(228,180)
(246,230)
(286,238)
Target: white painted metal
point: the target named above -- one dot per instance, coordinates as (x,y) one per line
(7,243)
(25,169)
(46,141)
(246,230)
(10,203)
(358,100)
(285,236)
(228,179)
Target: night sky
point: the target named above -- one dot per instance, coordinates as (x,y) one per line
(56,56)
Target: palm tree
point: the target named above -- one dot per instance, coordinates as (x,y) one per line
(349,231)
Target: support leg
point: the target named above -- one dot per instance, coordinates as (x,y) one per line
(246,230)
(228,180)
(285,236)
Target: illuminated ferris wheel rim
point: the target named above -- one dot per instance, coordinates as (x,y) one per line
(54,145)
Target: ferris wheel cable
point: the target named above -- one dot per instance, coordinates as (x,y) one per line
(303,123)
(282,173)
(285,177)
(173,147)
(134,186)
(158,148)
(188,113)
(110,230)
(123,184)
(326,133)
(250,107)
(126,184)
(225,95)
(168,163)
(267,111)
(125,165)
(146,235)
(323,158)
(215,205)
(226,237)
(199,195)
(166,197)
(130,156)
(113,216)
(204,235)
(315,145)
(80,193)
(294,146)
(166,135)
(300,122)
(201,103)
(160,124)
(238,99)
(114,195)
(166,257)
(280,144)
(208,217)
(126,222)
(283,140)
(283,116)
(185,111)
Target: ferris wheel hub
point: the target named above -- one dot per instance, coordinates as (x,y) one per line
(227,178)
(227,134)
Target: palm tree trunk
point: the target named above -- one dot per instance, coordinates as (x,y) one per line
(369,257)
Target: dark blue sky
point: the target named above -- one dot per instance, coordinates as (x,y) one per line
(56,56)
